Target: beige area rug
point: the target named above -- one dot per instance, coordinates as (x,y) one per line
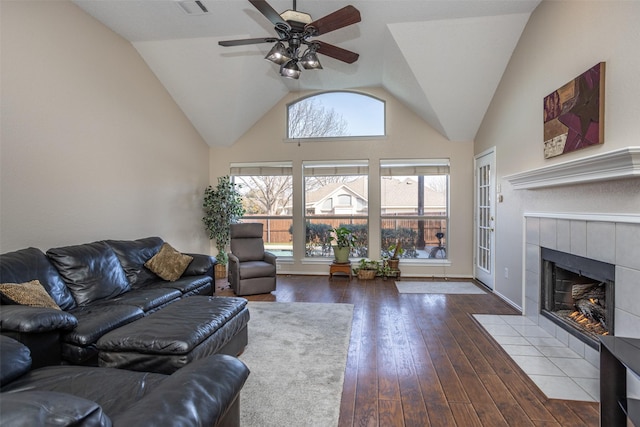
(438,288)
(297,354)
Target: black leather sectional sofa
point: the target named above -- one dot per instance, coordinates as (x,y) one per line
(100,289)
(203,393)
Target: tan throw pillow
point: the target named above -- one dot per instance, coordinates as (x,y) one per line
(31,293)
(168,263)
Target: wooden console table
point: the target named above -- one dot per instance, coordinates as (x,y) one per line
(617,354)
(340,268)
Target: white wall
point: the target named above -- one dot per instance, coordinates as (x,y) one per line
(562,40)
(408,136)
(92,145)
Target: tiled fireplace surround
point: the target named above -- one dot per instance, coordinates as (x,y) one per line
(613,239)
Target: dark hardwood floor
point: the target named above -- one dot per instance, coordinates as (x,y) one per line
(422,360)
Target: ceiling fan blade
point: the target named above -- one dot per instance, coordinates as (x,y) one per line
(340,18)
(271,14)
(337,52)
(242,42)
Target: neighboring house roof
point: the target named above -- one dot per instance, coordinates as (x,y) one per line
(397,195)
(357,187)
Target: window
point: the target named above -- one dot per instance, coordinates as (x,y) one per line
(342,183)
(344,200)
(267,191)
(414,207)
(336,114)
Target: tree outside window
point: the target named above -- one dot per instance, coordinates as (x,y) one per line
(267,191)
(336,114)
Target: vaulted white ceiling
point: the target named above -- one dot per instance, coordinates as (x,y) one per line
(442,58)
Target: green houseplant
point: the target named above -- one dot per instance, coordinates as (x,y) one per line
(368,269)
(396,252)
(222,207)
(342,241)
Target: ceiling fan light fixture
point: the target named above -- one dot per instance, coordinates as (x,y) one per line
(290,70)
(279,54)
(310,60)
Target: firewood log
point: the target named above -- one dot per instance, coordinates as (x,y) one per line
(588,290)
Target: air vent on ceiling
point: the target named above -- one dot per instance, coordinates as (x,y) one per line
(193,7)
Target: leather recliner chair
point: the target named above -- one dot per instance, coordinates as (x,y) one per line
(251,269)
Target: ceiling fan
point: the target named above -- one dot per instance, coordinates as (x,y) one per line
(296,29)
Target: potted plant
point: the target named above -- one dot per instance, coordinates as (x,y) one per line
(396,252)
(367,269)
(222,207)
(342,241)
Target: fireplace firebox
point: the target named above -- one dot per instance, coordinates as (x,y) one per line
(577,294)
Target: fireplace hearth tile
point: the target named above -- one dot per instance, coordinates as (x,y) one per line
(591,386)
(558,351)
(542,341)
(532,331)
(561,388)
(489,319)
(505,340)
(521,350)
(502,330)
(549,363)
(517,320)
(533,365)
(576,368)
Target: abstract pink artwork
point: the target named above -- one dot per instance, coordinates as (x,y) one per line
(574,114)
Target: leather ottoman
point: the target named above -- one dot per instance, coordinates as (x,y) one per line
(186,330)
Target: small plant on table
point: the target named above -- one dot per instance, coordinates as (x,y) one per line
(368,269)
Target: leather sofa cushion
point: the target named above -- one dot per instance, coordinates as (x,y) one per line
(133,254)
(253,269)
(184,284)
(201,264)
(15,360)
(32,264)
(91,271)
(115,390)
(20,318)
(46,408)
(175,329)
(96,320)
(147,299)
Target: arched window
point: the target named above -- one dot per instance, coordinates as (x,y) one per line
(336,115)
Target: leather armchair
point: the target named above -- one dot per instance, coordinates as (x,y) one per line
(251,269)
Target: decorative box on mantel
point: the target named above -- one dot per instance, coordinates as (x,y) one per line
(617,164)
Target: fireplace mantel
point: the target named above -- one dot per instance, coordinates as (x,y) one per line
(617,164)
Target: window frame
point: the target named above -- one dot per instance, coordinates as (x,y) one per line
(297,139)
(337,168)
(414,168)
(258,169)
